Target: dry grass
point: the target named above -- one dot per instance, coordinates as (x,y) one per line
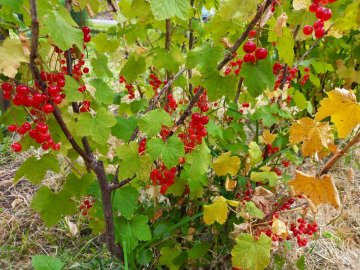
(22,233)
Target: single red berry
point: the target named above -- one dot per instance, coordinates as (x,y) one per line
(261,53)
(252,33)
(318,24)
(87,38)
(16,147)
(48,108)
(249,57)
(22,90)
(249,47)
(6,87)
(307,30)
(53,90)
(319,33)
(323,13)
(86,30)
(60,83)
(307,69)
(12,128)
(86,70)
(313,7)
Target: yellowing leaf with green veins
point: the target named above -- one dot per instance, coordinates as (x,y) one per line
(226,164)
(343,108)
(218,210)
(249,253)
(267,137)
(255,153)
(254,212)
(317,190)
(301,4)
(11,55)
(264,177)
(313,135)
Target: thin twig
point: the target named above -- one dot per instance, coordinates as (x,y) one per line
(238,91)
(328,165)
(114,186)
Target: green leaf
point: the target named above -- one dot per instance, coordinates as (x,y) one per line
(205,58)
(124,128)
(218,86)
(255,153)
(299,98)
(76,186)
(264,177)
(321,67)
(132,68)
(11,4)
(300,263)
(198,161)
(47,162)
(249,253)
(170,60)
(130,160)
(97,127)
(103,92)
(286,47)
(259,77)
(152,121)
(61,32)
(105,45)
(254,212)
(100,66)
(198,250)
(267,114)
(239,10)
(52,206)
(125,201)
(169,152)
(168,256)
(140,227)
(71,90)
(165,9)
(43,262)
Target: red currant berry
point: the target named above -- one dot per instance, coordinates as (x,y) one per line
(86,30)
(307,30)
(87,38)
(12,128)
(249,47)
(16,147)
(86,70)
(6,87)
(249,58)
(319,33)
(48,108)
(261,53)
(252,33)
(318,24)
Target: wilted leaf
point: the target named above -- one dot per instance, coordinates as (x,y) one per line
(267,137)
(343,108)
(279,228)
(11,55)
(225,164)
(230,184)
(317,190)
(314,135)
(301,4)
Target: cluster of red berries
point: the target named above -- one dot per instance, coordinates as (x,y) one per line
(142,146)
(303,229)
(129,87)
(171,104)
(86,204)
(234,66)
(155,82)
(253,53)
(86,31)
(322,13)
(278,70)
(203,103)
(306,76)
(247,193)
(163,177)
(273,5)
(195,133)
(40,105)
(271,150)
(245,106)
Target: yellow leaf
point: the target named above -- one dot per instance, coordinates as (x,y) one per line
(348,74)
(301,4)
(225,164)
(279,228)
(11,55)
(313,135)
(341,105)
(317,190)
(268,138)
(230,184)
(218,210)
